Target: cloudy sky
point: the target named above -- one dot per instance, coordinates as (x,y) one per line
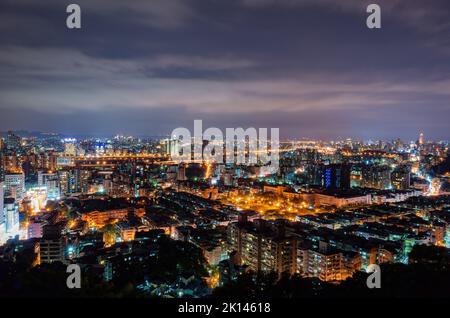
(144,67)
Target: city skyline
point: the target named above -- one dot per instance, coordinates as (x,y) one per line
(310,68)
(42,134)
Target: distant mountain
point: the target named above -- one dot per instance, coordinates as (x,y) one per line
(25,133)
(39,134)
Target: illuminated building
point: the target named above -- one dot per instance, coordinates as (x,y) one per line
(100,218)
(50,182)
(120,190)
(213,254)
(356,176)
(2,212)
(15,186)
(12,142)
(276,189)
(127,232)
(327,264)
(324,265)
(438,233)
(70,147)
(313,174)
(74,181)
(400,178)
(67,181)
(52,249)
(47,160)
(335,198)
(52,186)
(262,246)
(435,186)
(43,176)
(181,174)
(376,177)
(35,230)
(52,245)
(341,199)
(107,186)
(336,176)
(37,198)
(2,169)
(11,211)
(11,163)
(170,146)
(62,162)
(421,139)
(382,255)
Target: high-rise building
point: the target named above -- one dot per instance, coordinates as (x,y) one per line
(47,160)
(52,249)
(74,181)
(12,142)
(262,246)
(421,139)
(376,177)
(52,186)
(2,211)
(2,167)
(11,211)
(11,163)
(401,178)
(66,181)
(52,245)
(50,182)
(15,186)
(327,264)
(181,174)
(356,176)
(170,146)
(313,173)
(35,229)
(336,176)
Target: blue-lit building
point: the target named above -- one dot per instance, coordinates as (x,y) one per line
(336,176)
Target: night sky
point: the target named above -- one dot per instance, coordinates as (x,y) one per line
(310,67)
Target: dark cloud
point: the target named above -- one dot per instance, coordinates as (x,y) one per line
(311,68)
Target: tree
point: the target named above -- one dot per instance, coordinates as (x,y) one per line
(110,234)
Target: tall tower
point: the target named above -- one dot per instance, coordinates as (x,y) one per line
(2,197)
(421,140)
